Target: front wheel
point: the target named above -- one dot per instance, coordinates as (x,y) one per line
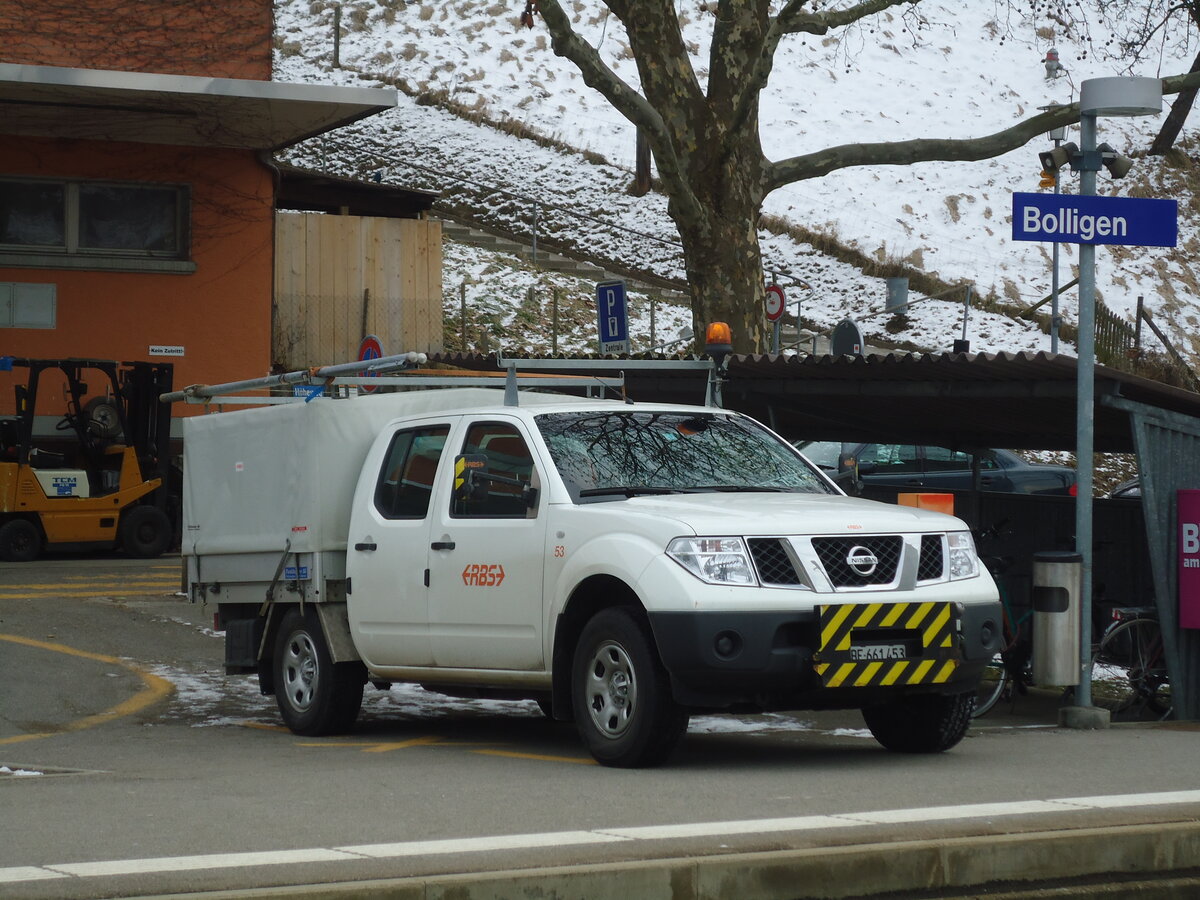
(20,541)
(145,532)
(622,694)
(923,723)
(315,695)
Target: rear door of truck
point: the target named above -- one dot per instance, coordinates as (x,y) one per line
(487,554)
(388,554)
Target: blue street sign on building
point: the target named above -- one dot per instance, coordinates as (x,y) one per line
(613,315)
(1076,219)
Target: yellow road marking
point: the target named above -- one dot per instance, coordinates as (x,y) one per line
(379,746)
(154,689)
(538,756)
(105,583)
(101,591)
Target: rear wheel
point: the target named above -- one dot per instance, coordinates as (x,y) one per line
(315,695)
(622,695)
(1129,671)
(20,541)
(145,531)
(924,723)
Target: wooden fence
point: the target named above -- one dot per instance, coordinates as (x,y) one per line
(340,278)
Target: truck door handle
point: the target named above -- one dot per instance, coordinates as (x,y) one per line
(442,545)
(365,546)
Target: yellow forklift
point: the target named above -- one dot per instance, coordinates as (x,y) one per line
(103,479)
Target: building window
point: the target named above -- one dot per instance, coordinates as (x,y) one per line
(27,305)
(92,219)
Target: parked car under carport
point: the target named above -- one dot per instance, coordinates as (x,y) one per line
(917,466)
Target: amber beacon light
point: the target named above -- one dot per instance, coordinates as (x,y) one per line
(718,341)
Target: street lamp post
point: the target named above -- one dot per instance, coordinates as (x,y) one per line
(1097,97)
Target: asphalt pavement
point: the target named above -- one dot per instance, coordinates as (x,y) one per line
(130,765)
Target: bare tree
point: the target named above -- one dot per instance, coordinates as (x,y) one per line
(1140,29)
(705,139)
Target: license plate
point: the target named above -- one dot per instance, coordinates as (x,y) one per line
(878,652)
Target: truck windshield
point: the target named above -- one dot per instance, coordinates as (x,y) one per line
(614,454)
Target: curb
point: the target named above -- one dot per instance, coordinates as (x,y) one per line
(1157,856)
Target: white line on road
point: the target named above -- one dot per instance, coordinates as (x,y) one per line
(597,836)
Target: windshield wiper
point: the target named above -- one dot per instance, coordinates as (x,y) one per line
(627,490)
(735,488)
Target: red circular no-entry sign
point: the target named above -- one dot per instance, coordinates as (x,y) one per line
(370,348)
(774,302)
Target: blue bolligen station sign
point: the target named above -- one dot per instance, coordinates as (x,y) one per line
(1076,219)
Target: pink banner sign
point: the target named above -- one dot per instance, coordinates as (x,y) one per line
(1188,508)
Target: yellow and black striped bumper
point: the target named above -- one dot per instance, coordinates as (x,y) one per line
(882,644)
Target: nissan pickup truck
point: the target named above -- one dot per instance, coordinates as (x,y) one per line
(625,565)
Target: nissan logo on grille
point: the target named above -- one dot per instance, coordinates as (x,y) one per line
(862,560)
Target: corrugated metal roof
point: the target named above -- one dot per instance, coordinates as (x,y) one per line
(1015,400)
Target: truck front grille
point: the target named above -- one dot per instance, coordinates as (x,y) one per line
(932,562)
(773,562)
(847,559)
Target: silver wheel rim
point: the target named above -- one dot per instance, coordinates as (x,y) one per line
(611,687)
(300,671)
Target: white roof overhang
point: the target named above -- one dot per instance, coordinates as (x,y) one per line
(101,105)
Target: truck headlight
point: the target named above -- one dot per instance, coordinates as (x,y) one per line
(716,560)
(964,561)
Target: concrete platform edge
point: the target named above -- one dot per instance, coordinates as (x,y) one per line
(1144,852)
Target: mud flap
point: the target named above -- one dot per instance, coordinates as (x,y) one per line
(884,644)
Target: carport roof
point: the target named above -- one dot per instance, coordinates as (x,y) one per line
(98,104)
(1017,400)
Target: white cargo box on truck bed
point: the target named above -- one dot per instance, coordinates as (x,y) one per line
(256,479)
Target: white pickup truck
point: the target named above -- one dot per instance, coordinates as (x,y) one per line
(624,565)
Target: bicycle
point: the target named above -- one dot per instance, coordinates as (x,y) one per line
(1010,669)
(1129,666)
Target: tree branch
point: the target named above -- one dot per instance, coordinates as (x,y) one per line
(903,153)
(596,74)
(794,20)
(624,99)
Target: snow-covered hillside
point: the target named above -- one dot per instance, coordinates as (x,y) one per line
(961,69)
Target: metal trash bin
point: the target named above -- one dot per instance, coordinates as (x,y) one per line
(1057,583)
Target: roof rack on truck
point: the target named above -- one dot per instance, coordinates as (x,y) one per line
(404,370)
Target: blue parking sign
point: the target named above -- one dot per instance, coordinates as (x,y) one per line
(613,315)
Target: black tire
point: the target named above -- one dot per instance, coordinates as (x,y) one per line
(145,531)
(20,541)
(624,710)
(993,685)
(924,723)
(315,695)
(1129,671)
(102,419)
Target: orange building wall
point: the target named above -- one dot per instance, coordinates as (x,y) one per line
(225,39)
(220,314)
